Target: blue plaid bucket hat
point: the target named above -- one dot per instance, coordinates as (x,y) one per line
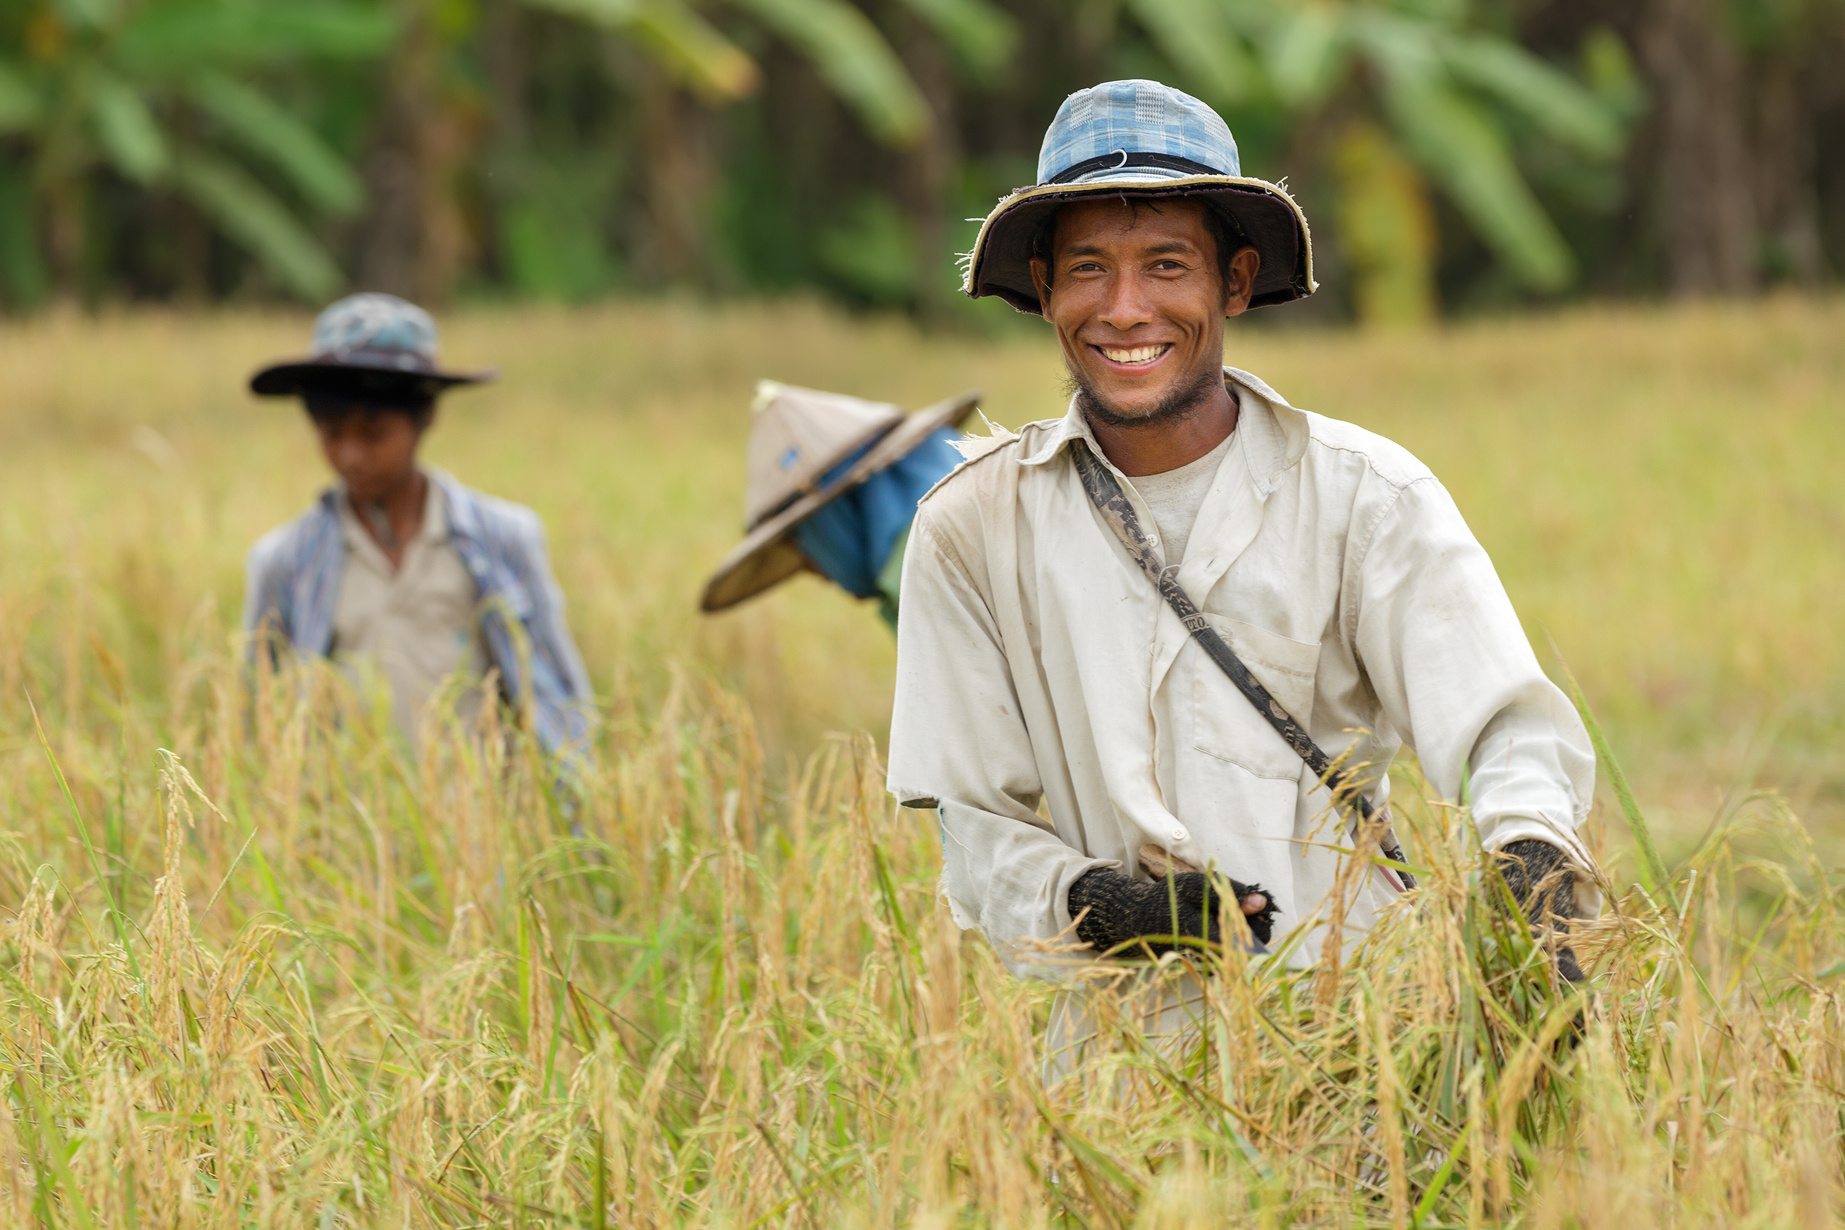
(1145,140)
(367,345)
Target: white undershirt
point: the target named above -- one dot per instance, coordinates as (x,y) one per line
(416,624)
(1175,497)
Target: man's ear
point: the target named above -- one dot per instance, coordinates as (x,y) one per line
(1240,284)
(1041,282)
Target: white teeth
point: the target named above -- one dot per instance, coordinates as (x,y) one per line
(1137,354)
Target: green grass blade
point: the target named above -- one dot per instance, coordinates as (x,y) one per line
(89,847)
(1653,872)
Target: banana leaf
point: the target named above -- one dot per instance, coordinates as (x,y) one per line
(127,131)
(251,215)
(702,56)
(1306,54)
(853,59)
(1468,158)
(178,37)
(272,134)
(1534,89)
(19,101)
(981,35)
(1198,38)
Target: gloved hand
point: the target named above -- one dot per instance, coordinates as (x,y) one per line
(1121,908)
(1542,881)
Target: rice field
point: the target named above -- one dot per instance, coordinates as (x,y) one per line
(262,965)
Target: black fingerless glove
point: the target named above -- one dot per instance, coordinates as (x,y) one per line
(1544,884)
(1121,909)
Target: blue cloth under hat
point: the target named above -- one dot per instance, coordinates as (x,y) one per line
(849,538)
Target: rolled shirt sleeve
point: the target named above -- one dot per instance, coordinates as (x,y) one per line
(959,743)
(1453,671)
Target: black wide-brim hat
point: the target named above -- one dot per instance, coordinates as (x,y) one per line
(358,375)
(367,346)
(1141,140)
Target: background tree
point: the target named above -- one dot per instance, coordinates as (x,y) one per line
(161,96)
(1390,97)
(676,66)
(1450,153)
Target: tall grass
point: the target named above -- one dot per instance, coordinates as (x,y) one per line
(317,982)
(263,965)
(1658,491)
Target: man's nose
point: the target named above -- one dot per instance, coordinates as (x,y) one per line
(1126,305)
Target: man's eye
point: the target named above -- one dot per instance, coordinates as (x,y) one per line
(1085,267)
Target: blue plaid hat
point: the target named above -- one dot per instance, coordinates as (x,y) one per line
(371,346)
(1141,139)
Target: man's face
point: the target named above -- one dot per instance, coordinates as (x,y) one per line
(373,451)
(1134,293)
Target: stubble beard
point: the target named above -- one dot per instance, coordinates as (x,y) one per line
(1179,403)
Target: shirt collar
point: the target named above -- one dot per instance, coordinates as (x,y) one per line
(462,516)
(433,529)
(1274,433)
(435,512)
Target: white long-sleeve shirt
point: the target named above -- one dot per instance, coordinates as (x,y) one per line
(1037,664)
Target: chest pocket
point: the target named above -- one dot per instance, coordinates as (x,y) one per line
(1225,725)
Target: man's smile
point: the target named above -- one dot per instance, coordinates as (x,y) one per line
(1139,296)
(1134,356)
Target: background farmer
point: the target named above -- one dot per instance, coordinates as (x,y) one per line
(398,567)
(833,485)
(1036,660)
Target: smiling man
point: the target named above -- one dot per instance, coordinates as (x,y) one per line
(1074,731)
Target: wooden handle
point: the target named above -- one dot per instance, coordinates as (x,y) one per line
(1157,863)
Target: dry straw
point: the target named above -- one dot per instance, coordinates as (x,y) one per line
(297,975)
(358,989)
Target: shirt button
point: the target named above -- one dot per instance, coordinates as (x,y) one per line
(1178,834)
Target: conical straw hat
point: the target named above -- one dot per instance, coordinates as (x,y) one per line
(796,437)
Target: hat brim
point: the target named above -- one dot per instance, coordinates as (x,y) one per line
(299,376)
(767,556)
(1000,263)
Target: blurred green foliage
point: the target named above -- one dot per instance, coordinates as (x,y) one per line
(568,149)
(160,99)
